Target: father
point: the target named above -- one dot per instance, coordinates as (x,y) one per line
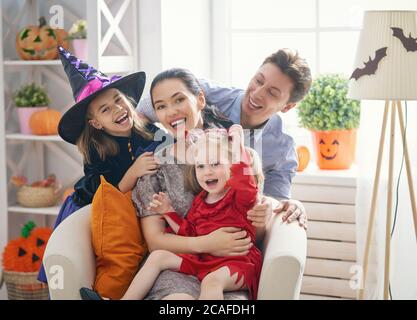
(283,79)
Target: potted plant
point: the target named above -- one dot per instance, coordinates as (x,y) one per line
(30,99)
(333,119)
(78,36)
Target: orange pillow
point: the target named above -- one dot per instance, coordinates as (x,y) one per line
(117,240)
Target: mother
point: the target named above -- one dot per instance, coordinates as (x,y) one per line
(180,105)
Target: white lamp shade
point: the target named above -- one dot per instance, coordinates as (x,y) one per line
(396,75)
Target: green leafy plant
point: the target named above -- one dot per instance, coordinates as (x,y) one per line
(78,30)
(326,106)
(31,95)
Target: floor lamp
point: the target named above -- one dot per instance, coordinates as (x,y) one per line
(386,69)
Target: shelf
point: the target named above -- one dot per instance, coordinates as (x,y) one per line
(313,175)
(18,63)
(29,137)
(53,211)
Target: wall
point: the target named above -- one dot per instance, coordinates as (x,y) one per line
(174,34)
(186,35)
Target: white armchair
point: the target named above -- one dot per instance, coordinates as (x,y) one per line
(70,263)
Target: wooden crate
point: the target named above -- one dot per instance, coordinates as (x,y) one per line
(331,245)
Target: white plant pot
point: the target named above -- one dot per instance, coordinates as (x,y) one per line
(80,48)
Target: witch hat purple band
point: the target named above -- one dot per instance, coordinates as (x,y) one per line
(87,83)
(84,79)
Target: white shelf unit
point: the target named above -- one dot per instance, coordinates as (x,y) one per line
(23,63)
(329,198)
(112,47)
(53,211)
(28,137)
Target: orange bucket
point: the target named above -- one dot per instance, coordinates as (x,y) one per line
(335,150)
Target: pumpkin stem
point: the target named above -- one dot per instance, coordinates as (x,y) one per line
(42,21)
(26,230)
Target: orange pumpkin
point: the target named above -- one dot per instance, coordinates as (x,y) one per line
(303,155)
(335,150)
(45,122)
(67,193)
(25,253)
(37,42)
(62,38)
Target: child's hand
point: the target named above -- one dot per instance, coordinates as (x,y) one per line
(237,138)
(261,213)
(236,134)
(145,164)
(160,204)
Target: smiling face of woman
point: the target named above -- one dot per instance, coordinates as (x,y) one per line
(111,111)
(176,107)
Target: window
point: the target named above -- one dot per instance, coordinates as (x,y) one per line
(324,32)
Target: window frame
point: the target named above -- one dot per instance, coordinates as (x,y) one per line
(221,58)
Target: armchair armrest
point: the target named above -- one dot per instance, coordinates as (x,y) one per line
(285,250)
(69,257)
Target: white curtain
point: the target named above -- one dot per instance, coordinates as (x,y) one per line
(403,279)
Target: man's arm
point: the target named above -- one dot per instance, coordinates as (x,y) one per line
(145,107)
(278,184)
(224,98)
(279,174)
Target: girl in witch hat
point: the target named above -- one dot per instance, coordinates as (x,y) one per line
(114,141)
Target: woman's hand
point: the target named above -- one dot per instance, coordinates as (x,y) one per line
(227,241)
(144,164)
(160,204)
(293,210)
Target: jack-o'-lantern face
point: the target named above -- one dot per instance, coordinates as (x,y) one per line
(25,253)
(335,150)
(329,148)
(38,239)
(37,42)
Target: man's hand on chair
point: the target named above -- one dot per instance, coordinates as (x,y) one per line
(293,210)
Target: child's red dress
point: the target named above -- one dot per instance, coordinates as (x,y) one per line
(230,211)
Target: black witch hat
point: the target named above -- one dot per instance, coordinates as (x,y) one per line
(87,83)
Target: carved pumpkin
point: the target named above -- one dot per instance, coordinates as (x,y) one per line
(37,42)
(45,122)
(303,155)
(335,150)
(62,38)
(25,253)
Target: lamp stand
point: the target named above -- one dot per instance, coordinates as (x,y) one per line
(395,105)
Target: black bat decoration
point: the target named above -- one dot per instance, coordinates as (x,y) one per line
(410,43)
(371,65)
